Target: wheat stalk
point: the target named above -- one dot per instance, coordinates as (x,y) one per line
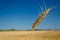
(39,21)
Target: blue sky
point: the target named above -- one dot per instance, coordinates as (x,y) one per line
(21,14)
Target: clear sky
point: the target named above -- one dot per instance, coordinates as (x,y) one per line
(21,14)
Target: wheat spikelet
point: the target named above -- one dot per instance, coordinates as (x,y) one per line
(40,19)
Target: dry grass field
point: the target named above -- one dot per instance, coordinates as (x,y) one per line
(26,35)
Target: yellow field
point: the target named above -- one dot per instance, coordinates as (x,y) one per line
(26,35)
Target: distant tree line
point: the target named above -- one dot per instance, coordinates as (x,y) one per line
(8,30)
(26,30)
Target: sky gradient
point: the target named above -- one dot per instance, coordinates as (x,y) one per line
(21,14)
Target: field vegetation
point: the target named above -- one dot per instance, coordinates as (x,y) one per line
(26,35)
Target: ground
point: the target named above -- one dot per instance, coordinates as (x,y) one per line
(29,35)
